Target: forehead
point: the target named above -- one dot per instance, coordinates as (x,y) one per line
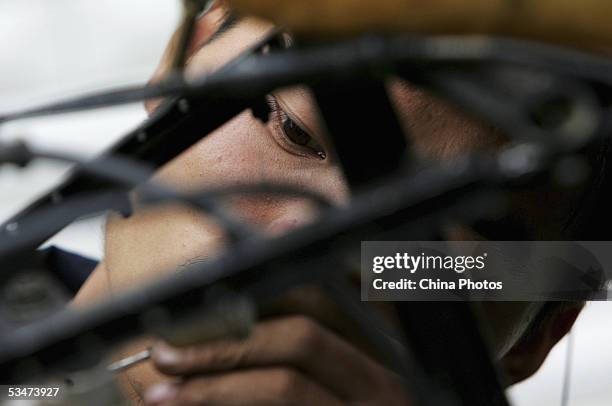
(435,128)
(210,55)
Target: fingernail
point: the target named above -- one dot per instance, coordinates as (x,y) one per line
(167,355)
(163,392)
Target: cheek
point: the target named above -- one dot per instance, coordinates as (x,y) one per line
(437,129)
(153,242)
(244,152)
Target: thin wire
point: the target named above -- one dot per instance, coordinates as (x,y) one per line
(257,189)
(173,85)
(403,50)
(131,174)
(126,173)
(39,225)
(569,352)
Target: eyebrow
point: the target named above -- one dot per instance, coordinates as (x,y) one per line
(230,21)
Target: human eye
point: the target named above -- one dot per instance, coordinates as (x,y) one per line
(292,136)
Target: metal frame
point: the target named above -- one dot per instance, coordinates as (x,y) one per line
(418,201)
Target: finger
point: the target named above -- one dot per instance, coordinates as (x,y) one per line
(275,386)
(297,342)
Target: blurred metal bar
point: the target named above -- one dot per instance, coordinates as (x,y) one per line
(452,350)
(444,337)
(260,269)
(367,136)
(176,125)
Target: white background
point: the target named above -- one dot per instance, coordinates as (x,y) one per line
(64,47)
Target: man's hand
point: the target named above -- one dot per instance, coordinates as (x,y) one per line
(287,361)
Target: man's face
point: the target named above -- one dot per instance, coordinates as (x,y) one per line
(292,148)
